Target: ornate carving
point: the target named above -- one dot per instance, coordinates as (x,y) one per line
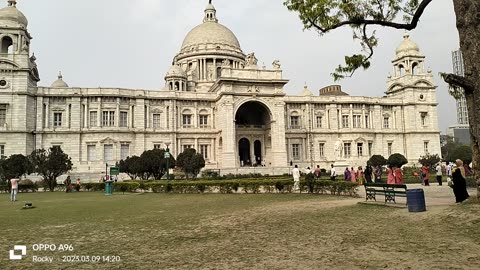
(251,60)
(226,63)
(276,64)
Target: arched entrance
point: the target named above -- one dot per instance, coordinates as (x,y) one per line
(252,125)
(257,149)
(244,152)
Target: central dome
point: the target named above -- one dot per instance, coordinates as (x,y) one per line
(210,33)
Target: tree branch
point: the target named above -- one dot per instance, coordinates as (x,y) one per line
(459,81)
(359,21)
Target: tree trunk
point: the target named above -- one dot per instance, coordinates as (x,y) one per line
(468,26)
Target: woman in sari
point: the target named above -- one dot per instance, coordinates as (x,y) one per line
(459,183)
(390,177)
(398,176)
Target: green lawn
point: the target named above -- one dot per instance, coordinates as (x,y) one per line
(237,231)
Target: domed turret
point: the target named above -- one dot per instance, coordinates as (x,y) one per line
(10,16)
(407,47)
(59,83)
(176,79)
(306,92)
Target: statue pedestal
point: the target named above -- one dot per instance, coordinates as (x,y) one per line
(340,166)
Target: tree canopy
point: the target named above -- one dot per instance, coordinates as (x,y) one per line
(190,162)
(377,160)
(397,160)
(50,164)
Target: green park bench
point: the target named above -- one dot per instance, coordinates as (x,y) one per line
(390,191)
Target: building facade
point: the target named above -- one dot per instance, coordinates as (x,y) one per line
(217,100)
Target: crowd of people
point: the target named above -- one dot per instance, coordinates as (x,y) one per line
(455,173)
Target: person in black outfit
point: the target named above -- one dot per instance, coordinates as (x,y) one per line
(368,173)
(459,183)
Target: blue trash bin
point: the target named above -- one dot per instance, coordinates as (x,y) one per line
(416,200)
(108,187)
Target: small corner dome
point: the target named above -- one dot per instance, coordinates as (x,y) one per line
(176,71)
(59,83)
(11,15)
(407,47)
(306,92)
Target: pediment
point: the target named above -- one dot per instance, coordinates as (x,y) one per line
(108,140)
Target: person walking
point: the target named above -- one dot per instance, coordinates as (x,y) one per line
(448,170)
(439,174)
(346,174)
(14,191)
(368,173)
(425,175)
(390,177)
(398,176)
(296,178)
(333,173)
(378,174)
(360,175)
(459,183)
(77,185)
(353,175)
(317,172)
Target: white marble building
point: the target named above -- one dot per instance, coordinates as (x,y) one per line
(217,100)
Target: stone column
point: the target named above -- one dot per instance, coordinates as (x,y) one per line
(117,112)
(228,132)
(99,112)
(40,117)
(363,117)
(47,114)
(212,150)
(214,75)
(351,116)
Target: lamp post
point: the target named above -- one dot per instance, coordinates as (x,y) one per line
(167,156)
(106,171)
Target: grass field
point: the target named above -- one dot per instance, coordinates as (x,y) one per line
(236,231)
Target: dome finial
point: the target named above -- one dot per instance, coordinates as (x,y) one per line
(406,35)
(210,13)
(60,75)
(12,3)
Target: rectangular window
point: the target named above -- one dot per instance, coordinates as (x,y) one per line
(187,120)
(124,151)
(357,121)
(370,147)
(321,150)
(108,118)
(123,119)
(2,151)
(204,151)
(386,122)
(57,119)
(367,124)
(296,151)
(203,120)
(348,149)
(319,122)
(93,118)
(295,122)
(345,121)
(360,149)
(156,120)
(3,115)
(187,146)
(389,149)
(108,152)
(157,146)
(425,147)
(91,153)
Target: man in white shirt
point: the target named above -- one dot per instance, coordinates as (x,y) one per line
(296,178)
(449,170)
(439,174)
(333,173)
(13,194)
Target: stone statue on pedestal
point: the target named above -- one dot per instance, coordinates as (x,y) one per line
(338,149)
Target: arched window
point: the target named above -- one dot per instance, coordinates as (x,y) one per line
(415,69)
(7,45)
(177,86)
(170,85)
(401,70)
(219,72)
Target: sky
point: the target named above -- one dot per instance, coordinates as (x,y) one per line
(131,43)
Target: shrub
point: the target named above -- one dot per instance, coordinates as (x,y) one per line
(377,160)
(397,160)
